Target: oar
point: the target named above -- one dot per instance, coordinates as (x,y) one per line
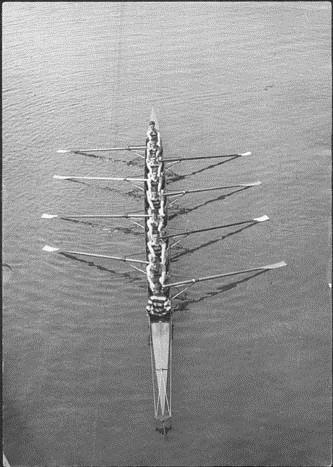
(51,249)
(216,276)
(126,148)
(180,159)
(256,219)
(119,179)
(198,190)
(87,216)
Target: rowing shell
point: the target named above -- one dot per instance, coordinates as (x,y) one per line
(159,308)
(160,328)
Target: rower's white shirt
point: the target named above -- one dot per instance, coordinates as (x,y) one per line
(151,274)
(164,253)
(153,179)
(150,201)
(161,210)
(151,250)
(152,212)
(152,234)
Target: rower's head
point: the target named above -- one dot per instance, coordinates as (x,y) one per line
(155,240)
(154,175)
(151,124)
(154,260)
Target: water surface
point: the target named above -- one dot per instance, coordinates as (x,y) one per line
(252,362)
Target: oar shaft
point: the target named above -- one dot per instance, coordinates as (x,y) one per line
(95,255)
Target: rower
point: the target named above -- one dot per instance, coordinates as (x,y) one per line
(164,254)
(164,263)
(152,227)
(153,178)
(152,149)
(153,274)
(153,199)
(161,225)
(154,245)
(162,207)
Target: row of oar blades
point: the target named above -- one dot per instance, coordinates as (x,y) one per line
(192,281)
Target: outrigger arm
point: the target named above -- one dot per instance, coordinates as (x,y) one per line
(217,276)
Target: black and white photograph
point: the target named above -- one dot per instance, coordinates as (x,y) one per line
(166,233)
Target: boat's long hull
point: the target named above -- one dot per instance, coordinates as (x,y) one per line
(160,333)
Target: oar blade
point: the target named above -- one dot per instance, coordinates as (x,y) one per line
(281,264)
(250,184)
(63,151)
(261,219)
(50,249)
(245,154)
(48,216)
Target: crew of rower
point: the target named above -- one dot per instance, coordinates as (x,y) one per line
(157,245)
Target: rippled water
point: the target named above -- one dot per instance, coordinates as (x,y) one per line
(251,382)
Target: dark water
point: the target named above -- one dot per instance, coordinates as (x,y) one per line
(252,359)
